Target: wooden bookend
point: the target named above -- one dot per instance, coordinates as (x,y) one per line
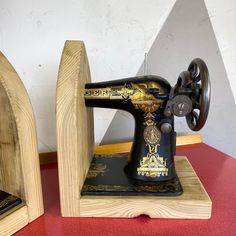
(19,162)
(75,144)
(75,141)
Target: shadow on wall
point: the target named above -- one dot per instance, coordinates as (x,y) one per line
(188,34)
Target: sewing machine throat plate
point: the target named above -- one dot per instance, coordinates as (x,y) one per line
(106,176)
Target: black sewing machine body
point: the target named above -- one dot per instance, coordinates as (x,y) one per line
(151,157)
(154,103)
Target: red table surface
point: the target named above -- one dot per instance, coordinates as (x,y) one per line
(216,170)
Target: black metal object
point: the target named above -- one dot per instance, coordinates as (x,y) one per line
(190,97)
(154,103)
(106,177)
(201,99)
(132,95)
(7,202)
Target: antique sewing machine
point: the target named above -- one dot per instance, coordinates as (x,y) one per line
(150,167)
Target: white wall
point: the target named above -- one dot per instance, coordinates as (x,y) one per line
(223,18)
(117,34)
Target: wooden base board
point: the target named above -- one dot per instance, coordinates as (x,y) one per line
(194,203)
(14,222)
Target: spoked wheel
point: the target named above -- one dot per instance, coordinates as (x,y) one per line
(200,85)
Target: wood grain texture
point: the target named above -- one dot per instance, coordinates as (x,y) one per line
(126,147)
(51,157)
(188,139)
(13,222)
(74,122)
(194,203)
(19,141)
(10,165)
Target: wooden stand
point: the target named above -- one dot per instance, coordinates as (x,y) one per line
(75,150)
(194,203)
(19,162)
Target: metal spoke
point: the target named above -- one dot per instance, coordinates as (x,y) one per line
(194,117)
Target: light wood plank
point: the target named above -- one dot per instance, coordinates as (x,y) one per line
(13,222)
(19,141)
(194,203)
(188,139)
(125,147)
(51,157)
(74,125)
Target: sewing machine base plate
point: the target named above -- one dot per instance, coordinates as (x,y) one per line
(106,177)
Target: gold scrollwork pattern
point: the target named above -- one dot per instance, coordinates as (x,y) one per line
(102,93)
(152,135)
(161,187)
(7,200)
(136,92)
(152,165)
(97,169)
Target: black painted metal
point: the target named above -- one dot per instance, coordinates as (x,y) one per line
(106,177)
(140,148)
(191,93)
(7,202)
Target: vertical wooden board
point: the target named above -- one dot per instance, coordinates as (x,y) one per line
(27,138)
(75,141)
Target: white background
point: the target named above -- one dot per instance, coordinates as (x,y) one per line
(116,33)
